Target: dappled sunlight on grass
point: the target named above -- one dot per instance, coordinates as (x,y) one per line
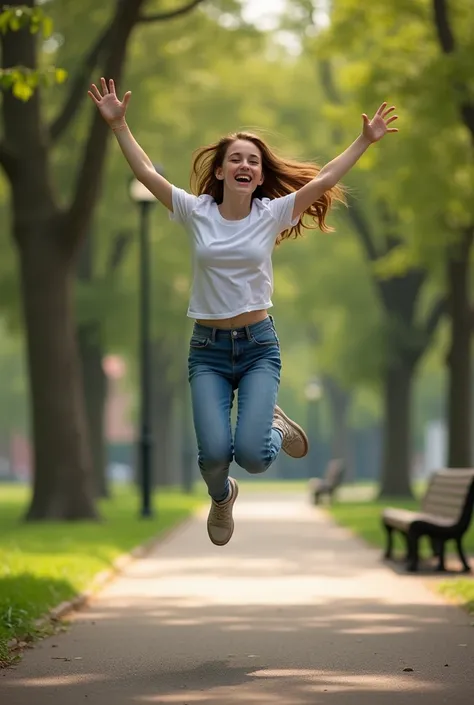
(45,563)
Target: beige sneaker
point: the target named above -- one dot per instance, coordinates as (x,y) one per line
(295,440)
(220,524)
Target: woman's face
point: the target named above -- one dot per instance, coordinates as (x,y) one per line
(242,167)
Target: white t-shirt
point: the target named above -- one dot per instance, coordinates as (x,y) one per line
(232,259)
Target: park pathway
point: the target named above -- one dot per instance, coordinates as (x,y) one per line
(293,611)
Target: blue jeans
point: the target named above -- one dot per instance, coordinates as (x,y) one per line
(221,361)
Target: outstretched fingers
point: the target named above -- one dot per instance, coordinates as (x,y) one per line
(387,112)
(103,84)
(391,119)
(95,94)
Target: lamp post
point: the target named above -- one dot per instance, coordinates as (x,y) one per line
(145,199)
(313,393)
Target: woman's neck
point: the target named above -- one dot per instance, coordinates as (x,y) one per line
(235,208)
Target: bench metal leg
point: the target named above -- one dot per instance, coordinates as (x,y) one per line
(462,556)
(441,564)
(412,557)
(435,546)
(389,548)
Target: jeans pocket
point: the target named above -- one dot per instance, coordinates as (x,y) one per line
(198,342)
(265,337)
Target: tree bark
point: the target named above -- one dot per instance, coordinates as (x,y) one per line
(459,357)
(397,447)
(63,482)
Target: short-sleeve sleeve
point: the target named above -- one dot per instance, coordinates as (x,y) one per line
(183,205)
(282,210)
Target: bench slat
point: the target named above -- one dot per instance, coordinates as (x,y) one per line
(442,505)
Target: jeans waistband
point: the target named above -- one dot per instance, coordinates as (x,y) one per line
(235,333)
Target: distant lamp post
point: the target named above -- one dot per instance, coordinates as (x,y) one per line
(145,199)
(313,393)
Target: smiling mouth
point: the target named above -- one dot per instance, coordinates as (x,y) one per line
(243,179)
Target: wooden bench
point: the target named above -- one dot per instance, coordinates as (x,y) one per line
(329,483)
(445,514)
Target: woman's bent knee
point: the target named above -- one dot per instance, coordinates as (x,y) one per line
(252,462)
(211,463)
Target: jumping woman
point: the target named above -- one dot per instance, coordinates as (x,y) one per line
(247,200)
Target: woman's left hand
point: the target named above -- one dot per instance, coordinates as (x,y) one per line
(375,129)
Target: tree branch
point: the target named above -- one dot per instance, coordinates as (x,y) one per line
(439,309)
(90,172)
(448,46)
(77,93)
(443,27)
(171,14)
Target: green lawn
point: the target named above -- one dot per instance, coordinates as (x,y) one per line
(43,564)
(363,518)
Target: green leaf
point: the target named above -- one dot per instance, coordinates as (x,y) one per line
(47,27)
(22,91)
(60,75)
(14,23)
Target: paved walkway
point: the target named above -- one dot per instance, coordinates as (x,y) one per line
(292,612)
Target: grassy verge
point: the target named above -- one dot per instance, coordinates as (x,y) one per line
(363,518)
(44,564)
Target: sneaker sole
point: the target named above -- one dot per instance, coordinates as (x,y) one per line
(300,431)
(235,494)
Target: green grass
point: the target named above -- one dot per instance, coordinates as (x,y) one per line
(461,591)
(43,564)
(363,518)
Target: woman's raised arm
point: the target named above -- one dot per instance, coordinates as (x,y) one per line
(113,111)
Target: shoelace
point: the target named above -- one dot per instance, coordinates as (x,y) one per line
(220,512)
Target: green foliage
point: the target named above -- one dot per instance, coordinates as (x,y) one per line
(21,80)
(427,173)
(202,75)
(14,18)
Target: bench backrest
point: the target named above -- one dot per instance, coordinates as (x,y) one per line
(335,472)
(450,494)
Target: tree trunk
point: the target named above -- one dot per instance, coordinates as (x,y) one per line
(63,481)
(459,358)
(95,394)
(396,467)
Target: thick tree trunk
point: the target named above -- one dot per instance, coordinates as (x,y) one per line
(459,358)
(95,394)
(63,481)
(396,467)
(63,463)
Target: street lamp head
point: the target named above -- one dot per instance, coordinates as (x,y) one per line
(313,390)
(138,192)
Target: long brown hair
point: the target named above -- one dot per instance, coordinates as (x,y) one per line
(281,177)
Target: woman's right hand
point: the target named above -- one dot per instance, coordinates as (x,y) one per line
(111,108)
